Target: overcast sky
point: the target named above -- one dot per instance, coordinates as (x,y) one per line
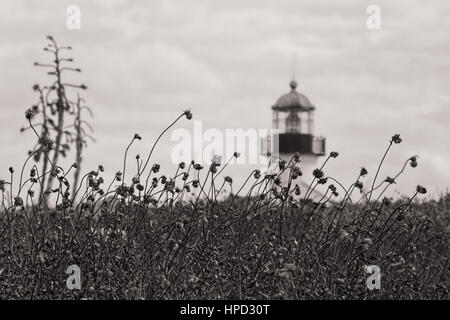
(229,61)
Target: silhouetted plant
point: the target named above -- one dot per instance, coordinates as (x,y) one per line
(53,107)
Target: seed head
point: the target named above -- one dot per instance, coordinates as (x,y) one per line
(334,154)
(54,172)
(421,190)
(18,202)
(390,180)
(198,166)
(169,185)
(296,172)
(156,168)
(137,137)
(396,138)
(48,144)
(359,185)
(363,172)
(188,114)
(317,173)
(29,114)
(387,201)
(413,161)
(122,190)
(229,179)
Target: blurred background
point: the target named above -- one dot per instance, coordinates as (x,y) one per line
(229,61)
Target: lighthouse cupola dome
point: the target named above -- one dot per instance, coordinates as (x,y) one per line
(293,100)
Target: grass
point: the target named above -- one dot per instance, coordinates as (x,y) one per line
(152,237)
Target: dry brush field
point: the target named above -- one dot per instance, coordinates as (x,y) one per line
(194,234)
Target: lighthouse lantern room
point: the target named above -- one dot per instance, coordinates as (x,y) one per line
(293,117)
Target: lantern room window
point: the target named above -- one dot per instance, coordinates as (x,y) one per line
(293,123)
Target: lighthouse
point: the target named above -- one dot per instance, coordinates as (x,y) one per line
(293,121)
